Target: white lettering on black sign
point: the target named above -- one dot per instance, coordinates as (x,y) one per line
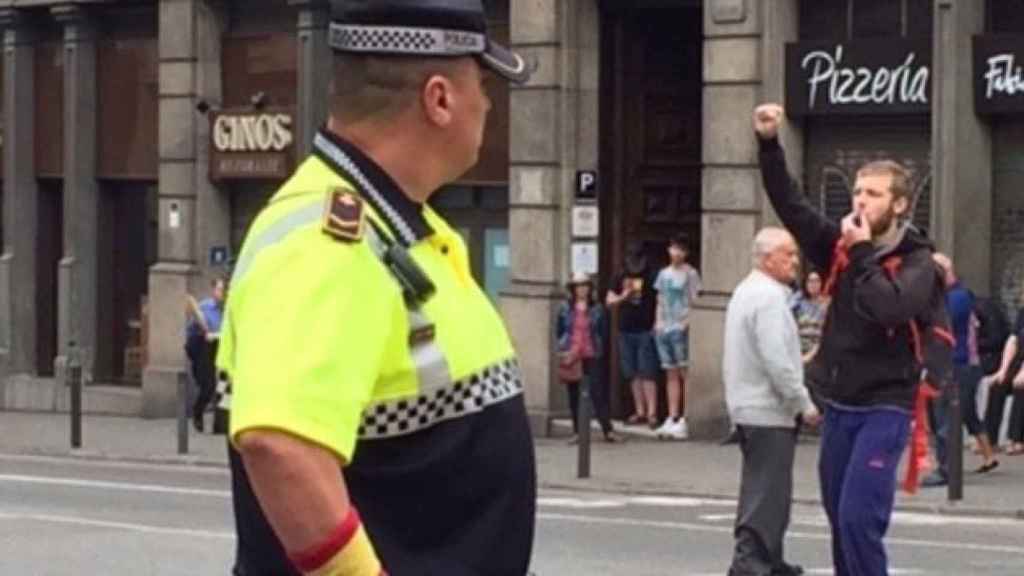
(904,84)
(253,133)
(1003,76)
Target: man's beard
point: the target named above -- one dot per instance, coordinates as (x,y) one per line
(880,227)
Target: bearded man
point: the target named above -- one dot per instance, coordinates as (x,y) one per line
(871,374)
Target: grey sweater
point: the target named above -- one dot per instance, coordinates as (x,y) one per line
(762,366)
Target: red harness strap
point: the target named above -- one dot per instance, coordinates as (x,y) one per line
(919,449)
(840,262)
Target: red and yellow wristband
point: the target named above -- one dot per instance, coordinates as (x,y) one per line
(347,551)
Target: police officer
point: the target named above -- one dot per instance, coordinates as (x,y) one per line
(376,399)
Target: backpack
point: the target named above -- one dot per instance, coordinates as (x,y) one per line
(932,341)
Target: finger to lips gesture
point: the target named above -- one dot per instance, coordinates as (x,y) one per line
(856,229)
(767,119)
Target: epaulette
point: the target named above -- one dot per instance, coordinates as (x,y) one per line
(344,216)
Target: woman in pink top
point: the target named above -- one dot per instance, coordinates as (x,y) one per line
(581,345)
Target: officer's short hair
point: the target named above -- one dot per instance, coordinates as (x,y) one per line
(379,86)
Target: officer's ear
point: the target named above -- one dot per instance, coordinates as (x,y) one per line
(438,99)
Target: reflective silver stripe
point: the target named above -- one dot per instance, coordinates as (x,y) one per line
(473,394)
(428,358)
(394,219)
(275,233)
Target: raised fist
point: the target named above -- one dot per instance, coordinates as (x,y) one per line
(767,119)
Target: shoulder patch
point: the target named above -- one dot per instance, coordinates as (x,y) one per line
(344,216)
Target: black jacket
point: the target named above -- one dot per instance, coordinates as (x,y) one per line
(866,342)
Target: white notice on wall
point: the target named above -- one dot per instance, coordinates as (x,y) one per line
(501,256)
(584,257)
(585,221)
(174,217)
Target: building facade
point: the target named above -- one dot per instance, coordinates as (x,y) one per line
(141,137)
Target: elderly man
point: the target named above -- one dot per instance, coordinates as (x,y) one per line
(765,392)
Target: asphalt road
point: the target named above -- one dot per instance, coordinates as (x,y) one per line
(63,517)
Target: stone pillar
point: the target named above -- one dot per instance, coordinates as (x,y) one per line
(314,71)
(553,122)
(77,283)
(19,261)
(961,147)
(743,47)
(189,207)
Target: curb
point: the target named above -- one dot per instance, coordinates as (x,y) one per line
(592,487)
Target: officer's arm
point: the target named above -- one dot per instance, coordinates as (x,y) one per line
(302,492)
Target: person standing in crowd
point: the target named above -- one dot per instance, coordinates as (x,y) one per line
(872,383)
(632,293)
(763,372)
(677,285)
(809,311)
(580,335)
(993,334)
(376,399)
(967,374)
(201,333)
(1010,379)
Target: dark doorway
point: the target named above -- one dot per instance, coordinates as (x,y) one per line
(651,117)
(128,223)
(49,250)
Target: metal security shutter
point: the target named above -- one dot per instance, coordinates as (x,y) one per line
(837,148)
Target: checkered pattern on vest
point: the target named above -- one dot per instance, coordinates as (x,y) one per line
(493,385)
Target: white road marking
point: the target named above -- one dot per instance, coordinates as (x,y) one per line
(103,485)
(649,501)
(691,527)
(117,464)
(127,526)
(905,519)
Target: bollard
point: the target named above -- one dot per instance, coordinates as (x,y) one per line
(73,374)
(583,429)
(954,446)
(183,388)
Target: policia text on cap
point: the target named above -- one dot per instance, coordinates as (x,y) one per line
(356,336)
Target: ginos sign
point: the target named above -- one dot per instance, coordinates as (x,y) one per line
(252,133)
(252,145)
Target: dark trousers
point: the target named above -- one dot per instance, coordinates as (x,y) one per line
(766,495)
(967,379)
(598,397)
(997,397)
(202,355)
(258,551)
(860,452)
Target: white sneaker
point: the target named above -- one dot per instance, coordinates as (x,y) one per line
(664,431)
(677,430)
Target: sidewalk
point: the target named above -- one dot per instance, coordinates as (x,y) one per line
(638,466)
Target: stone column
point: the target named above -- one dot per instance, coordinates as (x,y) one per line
(77,283)
(314,71)
(961,147)
(19,260)
(743,47)
(553,122)
(189,52)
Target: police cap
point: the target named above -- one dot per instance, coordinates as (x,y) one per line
(432,28)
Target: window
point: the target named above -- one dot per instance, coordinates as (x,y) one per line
(851,19)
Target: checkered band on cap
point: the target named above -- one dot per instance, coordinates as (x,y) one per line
(493,385)
(403,40)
